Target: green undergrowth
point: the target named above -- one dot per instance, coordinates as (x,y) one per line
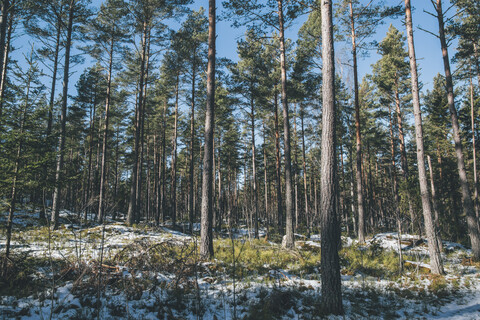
(371,261)
(257,257)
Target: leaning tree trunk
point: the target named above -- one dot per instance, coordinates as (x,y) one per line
(206,234)
(466,197)
(435,257)
(358,137)
(63,120)
(331,298)
(289,209)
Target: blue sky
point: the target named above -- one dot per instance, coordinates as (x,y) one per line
(427,46)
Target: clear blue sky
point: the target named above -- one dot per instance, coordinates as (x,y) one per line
(427,46)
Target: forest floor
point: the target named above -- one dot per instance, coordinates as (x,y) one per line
(113,271)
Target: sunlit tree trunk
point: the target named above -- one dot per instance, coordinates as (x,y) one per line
(206,234)
(331,298)
(435,257)
(466,197)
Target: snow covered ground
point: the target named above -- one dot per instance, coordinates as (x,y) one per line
(153,273)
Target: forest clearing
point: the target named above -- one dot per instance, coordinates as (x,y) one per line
(156,273)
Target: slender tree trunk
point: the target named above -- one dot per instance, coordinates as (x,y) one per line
(304,167)
(295,162)
(475,183)
(174,153)
(466,197)
(5,8)
(435,257)
(63,120)
(358,137)
(254,169)
(5,59)
(331,298)
(191,201)
(436,210)
(403,152)
(289,208)
(265,182)
(103,169)
(277,166)
(206,236)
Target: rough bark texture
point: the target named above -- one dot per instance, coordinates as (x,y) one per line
(206,234)
(435,257)
(466,197)
(358,137)
(330,230)
(289,208)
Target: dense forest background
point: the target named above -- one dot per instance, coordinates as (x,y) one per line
(122,137)
(122,110)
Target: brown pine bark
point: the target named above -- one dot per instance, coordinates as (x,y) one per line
(467,202)
(289,208)
(331,298)
(174,153)
(206,234)
(358,137)
(63,119)
(254,169)
(435,257)
(277,166)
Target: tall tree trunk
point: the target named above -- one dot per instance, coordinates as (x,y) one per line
(436,210)
(331,298)
(289,208)
(63,119)
(304,167)
(435,257)
(277,166)
(5,59)
(254,169)
(466,197)
(474,155)
(173,209)
(132,206)
(206,234)
(5,8)
(103,169)
(403,152)
(265,178)
(358,137)
(191,202)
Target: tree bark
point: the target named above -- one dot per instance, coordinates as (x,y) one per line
(466,197)
(174,153)
(132,207)
(435,257)
(63,120)
(206,234)
(289,208)
(191,201)
(331,298)
(254,169)
(358,137)
(277,166)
